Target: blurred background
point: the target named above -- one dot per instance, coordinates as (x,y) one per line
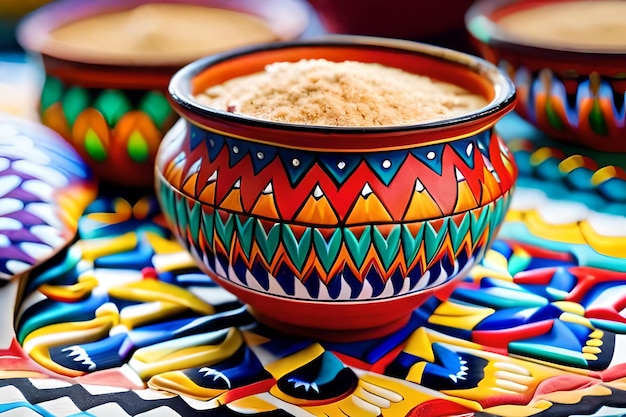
(437,22)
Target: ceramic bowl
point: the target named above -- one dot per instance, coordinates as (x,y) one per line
(572,91)
(336,232)
(112,107)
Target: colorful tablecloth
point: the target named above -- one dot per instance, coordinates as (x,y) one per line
(121,322)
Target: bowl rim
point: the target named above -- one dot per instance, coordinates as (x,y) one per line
(183,101)
(482,26)
(288,19)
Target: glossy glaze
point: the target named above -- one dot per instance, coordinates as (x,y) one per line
(572,93)
(115,112)
(307,224)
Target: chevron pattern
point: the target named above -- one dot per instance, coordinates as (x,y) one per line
(331,188)
(331,225)
(109,127)
(595,117)
(49,397)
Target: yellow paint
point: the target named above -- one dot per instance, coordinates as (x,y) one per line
(612,246)
(566,233)
(459,316)
(70,293)
(285,365)
(184,353)
(93,249)
(177,382)
(575,318)
(422,206)
(266,207)
(146,313)
(465,198)
(317,211)
(606,173)
(162,245)
(571,307)
(368,209)
(154,290)
(594,342)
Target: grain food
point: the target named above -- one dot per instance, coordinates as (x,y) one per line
(161,33)
(347,94)
(597,24)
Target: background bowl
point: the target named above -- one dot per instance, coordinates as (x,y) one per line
(574,93)
(113,109)
(338,233)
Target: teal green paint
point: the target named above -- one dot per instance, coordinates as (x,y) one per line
(267,242)
(156,106)
(76,100)
(195,218)
(51,92)
(245,233)
(112,104)
(298,250)
(387,248)
(208,226)
(181,215)
(550,354)
(459,233)
(479,224)
(327,251)
(434,239)
(518,263)
(411,244)
(225,229)
(358,247)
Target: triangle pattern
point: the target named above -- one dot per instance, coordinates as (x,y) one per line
(386,165)
(431,156)
(340,166)
(465,149)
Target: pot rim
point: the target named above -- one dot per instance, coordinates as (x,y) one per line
(288,19)
(182,98)
(483,26)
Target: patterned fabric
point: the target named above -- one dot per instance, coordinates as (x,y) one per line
(44,188)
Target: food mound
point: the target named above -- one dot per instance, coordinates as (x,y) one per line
(349,94)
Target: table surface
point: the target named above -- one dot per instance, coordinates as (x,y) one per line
(537,328)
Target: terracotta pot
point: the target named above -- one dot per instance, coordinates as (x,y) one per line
(573,93)
(336,232)
(113,109)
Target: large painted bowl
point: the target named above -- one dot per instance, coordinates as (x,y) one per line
(336,232)
(571,89)
(112,107)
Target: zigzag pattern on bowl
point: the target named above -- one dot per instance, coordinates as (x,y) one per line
(587,110)
(345,263)
(333,188)
(117,131)
(331,225)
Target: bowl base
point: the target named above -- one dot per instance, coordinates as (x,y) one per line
(334,321)
(331,335)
